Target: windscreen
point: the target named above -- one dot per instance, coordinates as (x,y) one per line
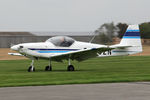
(61,41)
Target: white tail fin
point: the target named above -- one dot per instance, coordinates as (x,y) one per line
(132,38)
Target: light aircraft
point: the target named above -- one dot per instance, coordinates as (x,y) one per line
(62,48)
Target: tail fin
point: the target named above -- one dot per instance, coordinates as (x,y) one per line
(132,38)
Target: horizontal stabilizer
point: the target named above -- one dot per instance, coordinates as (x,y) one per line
(119,46)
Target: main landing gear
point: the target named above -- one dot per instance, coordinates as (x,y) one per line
(70,67)
(49,67)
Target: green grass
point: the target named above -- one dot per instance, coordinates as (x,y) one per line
(98,70)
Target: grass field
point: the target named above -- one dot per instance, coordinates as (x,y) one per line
(98,70)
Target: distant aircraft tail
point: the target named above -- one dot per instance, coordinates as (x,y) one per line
(132,38)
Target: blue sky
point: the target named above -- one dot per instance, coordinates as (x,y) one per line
(69,15)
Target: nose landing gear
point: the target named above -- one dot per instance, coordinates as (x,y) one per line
(31,68)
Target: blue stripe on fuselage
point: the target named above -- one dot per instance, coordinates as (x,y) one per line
(52,50)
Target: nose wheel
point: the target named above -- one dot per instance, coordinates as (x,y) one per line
(31,69)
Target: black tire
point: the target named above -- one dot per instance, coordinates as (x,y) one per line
(48,68)
(71,68)
(30,69)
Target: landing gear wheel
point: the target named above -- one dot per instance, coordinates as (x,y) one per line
(70,68)
(31,69)
(48,68)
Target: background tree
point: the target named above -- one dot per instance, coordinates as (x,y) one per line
(122,29)
(145,30)
(106,33)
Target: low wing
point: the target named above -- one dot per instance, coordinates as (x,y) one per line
(15,54)
(81,55)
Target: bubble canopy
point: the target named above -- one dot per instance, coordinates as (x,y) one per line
(61,41)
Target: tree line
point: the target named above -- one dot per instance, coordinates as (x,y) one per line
(108,31)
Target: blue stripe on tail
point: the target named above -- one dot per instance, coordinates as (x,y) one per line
(133,31)
(132,34)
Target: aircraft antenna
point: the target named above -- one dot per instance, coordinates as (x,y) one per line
(95,33)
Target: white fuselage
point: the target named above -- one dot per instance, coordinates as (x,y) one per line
(47,49)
